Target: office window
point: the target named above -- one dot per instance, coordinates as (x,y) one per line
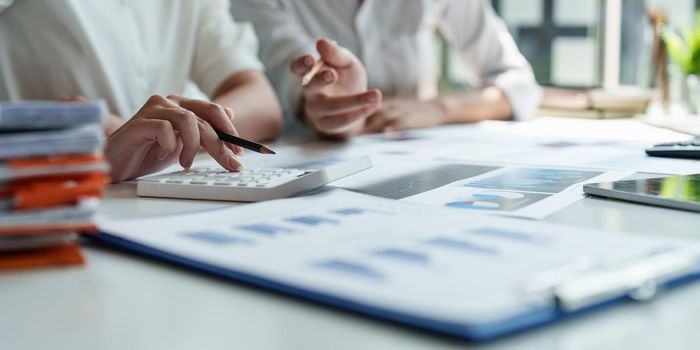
(560,38)
(563,39)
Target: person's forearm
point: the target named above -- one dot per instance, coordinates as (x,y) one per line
(489,103)
(255,104)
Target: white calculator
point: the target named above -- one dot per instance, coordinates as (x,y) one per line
(216,183)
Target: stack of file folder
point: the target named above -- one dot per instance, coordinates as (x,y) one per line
(52,174)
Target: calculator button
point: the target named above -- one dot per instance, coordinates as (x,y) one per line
(222,183)
(200,182)
(175,181)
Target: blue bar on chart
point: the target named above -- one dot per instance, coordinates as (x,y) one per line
(358,211)
(266,229)
(217,238)
(535,180)
(510,235)
(462,245)
(403,255)
(349,211)
(351,268)
(313,220)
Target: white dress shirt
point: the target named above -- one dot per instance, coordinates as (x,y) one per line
(122,51)
(395,41)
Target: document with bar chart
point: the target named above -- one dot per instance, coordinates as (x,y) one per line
(504,190)
(443,269)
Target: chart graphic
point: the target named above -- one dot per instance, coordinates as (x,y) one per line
(403,255)
(462,246)
(313,220)
(265,229)
(536,180)
(423,180)
(349,211)
(484,199)
(350,268)
(216,238)
(510,235)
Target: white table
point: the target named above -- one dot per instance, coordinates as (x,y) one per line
(120,301)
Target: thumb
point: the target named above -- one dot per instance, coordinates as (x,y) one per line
(75,98)
(333,54)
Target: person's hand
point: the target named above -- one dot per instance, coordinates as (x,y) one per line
(170,129)
(336,101)
(403,114)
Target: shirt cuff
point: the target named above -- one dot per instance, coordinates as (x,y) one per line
(523,93)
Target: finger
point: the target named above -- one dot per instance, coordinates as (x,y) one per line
(375,122)
(325,77)
(76,98)
(186,123)
(342,104)
(398,123)
(338,122)
(302,65)
(394,126)
(157,100)
(211,143)
(212,113)
(236,149)
(155,130)
(128,150)
(333,54)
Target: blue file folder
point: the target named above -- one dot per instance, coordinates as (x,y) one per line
(484,332)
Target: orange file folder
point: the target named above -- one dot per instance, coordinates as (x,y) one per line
(68,254)
(55,191)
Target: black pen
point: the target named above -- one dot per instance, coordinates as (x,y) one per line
(253,146)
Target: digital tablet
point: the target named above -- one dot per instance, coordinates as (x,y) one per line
(679,192)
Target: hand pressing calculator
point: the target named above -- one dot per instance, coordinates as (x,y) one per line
(216,183)
(688,149)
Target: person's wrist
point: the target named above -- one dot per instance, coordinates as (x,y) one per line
(116,170)
(440,105)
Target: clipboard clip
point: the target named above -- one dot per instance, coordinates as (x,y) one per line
(639,277)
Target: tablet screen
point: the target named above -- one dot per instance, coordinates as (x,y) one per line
(677,188)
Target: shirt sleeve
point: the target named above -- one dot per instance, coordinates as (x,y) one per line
(281,40)
(486,46)
(223,47)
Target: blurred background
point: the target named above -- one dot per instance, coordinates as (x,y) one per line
(564,40)
(617,48)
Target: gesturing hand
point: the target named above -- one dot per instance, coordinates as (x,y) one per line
(401,114)
(336,102)
(170,129)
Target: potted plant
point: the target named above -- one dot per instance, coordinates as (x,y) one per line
(684,49)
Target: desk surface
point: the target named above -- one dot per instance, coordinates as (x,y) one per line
(119,301)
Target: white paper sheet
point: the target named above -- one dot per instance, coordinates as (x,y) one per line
(441,264)
(527,192)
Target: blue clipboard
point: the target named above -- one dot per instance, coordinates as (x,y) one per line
(478,333)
